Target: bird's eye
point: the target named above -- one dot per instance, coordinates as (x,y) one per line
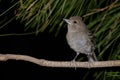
(74,21)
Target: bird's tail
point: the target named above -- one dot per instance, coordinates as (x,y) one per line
(92,57)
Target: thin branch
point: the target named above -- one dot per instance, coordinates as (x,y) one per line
(47,63)
(113,5)
(31,5)
(18,34)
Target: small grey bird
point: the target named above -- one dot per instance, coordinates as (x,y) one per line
(79,38)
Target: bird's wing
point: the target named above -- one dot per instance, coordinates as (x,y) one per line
(92,38)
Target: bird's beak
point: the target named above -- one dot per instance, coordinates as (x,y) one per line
(67,21)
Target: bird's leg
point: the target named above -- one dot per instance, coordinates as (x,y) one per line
(90,59)
(75,57)
(73,61)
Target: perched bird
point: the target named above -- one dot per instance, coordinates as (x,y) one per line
(79,38)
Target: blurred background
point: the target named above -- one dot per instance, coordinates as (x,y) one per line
(36,28)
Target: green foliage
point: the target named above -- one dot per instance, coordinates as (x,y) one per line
(40,14)
(101,16)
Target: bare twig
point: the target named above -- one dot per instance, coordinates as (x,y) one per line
(42,62)
(111,6)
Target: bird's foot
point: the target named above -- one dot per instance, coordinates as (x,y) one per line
(74,63)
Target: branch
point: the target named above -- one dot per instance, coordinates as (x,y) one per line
(47,63)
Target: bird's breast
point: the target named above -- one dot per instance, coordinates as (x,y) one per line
(79,42)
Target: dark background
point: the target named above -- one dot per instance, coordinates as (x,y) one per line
(44,45)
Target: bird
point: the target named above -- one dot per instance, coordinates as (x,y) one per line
(80,39)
